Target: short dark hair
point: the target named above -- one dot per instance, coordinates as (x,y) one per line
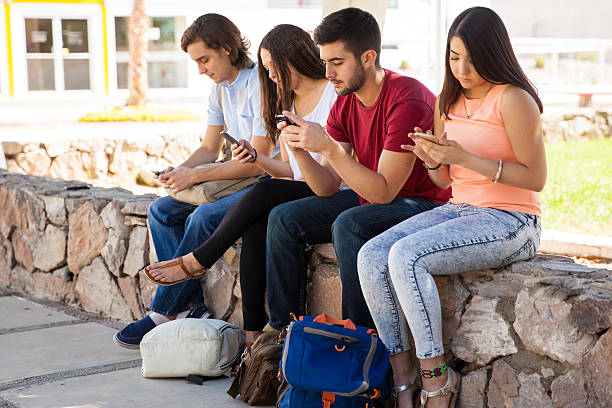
(487,42)
(217,31)
(356,28)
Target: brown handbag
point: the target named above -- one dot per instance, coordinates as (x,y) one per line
(257,379)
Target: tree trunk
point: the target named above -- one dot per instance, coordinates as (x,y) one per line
(138,27)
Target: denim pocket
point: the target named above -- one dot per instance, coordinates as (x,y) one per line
(527,251)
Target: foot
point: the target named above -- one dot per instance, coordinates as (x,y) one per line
(132,334)
(442,397)
(176,270)
(405,395)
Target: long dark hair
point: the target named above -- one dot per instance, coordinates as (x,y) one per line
(287,45)
(487,42)
(217,31)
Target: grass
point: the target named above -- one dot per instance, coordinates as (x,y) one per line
(138,114)
(578,193)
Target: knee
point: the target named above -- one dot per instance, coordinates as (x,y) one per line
(401,258)
(156,212)
(281,220)
(343,224)
(365,263)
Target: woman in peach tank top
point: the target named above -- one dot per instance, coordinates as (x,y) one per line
(488,147)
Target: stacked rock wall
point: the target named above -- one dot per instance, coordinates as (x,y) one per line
(534,334)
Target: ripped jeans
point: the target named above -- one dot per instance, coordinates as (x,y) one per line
(396,267)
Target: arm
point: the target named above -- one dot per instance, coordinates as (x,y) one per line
(378,187)
(441,176)
(320,177)
(275,168)
(185,176)
(522,121)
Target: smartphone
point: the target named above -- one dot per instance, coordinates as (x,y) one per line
(426,136)
(231,139)
(283,118)
(228,137)
(157,172)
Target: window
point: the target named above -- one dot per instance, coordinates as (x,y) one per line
(166,62)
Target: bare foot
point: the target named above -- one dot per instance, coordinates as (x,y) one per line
(175,270)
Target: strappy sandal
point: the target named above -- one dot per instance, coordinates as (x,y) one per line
(449,388)
(412,387)
(178,261)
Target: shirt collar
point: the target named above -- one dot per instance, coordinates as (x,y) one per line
(241,80)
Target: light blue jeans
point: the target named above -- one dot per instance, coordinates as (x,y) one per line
(396,267)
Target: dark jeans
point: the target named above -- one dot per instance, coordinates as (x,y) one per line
(177,228)
(315,220)
(248,218)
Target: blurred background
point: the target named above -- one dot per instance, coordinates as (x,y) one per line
(79,49)
(60,60)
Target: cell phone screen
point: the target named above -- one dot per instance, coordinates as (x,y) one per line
(228,137)
(281,118)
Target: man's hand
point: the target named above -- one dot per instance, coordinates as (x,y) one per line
(306,135)
(178,179)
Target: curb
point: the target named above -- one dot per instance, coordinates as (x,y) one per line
(572,244)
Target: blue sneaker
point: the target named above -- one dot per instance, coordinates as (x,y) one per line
(198,312)
(132,334)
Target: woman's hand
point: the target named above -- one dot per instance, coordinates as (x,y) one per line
(444,152)
(241,151)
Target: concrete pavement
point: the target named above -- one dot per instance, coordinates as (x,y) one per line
(52,355)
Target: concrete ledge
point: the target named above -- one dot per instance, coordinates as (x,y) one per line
(572,244)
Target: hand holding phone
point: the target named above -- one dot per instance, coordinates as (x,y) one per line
(233,141)
(283,118)
(427,136)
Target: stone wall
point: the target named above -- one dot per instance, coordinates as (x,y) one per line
(104,161)
(534,334)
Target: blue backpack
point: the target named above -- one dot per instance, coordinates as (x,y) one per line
(330,362)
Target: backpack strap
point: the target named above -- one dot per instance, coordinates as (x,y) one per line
(328,399)
(226,150)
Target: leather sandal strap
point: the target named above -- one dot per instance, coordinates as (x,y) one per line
(183,267)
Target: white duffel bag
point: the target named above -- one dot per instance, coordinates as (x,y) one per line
(181,347)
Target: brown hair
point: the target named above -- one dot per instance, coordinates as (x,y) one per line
(288,46)
(485,37)
(217,31)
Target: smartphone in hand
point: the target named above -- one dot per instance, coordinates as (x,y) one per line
(283,118)
(231,139)
(427,136)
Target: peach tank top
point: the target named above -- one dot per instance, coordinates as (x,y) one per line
(484,135)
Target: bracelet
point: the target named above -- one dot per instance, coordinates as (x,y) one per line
(254,157)
(432,168)
(500,166)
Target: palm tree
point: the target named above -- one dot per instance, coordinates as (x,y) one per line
(138,27)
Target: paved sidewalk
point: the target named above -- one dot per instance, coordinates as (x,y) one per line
(57,356)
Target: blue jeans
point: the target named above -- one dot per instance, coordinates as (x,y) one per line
(396,267)
(177,229)
(339,219)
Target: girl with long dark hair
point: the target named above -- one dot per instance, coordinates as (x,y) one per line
(292,78)
(487,145)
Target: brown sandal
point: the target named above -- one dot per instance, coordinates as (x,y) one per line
(178,261)
(449,388)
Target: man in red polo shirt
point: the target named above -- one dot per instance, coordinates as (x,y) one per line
(371,119)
